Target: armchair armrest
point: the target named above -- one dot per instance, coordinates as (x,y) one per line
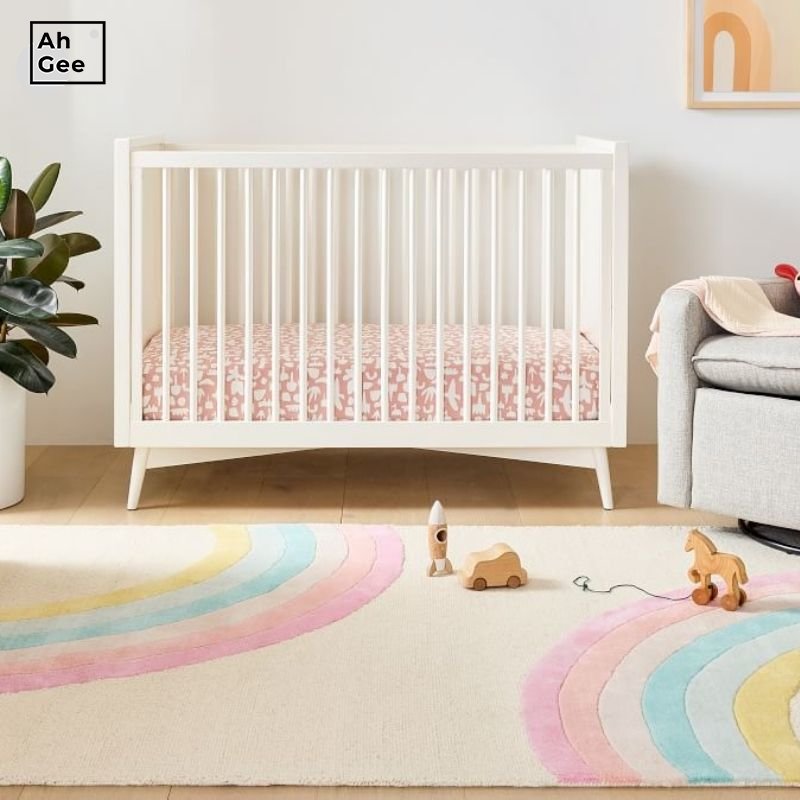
(684,325)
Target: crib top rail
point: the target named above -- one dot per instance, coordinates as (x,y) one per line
(584,154)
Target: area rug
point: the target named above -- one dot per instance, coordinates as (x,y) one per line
(322,654)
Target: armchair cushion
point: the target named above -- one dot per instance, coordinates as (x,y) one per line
(755,365)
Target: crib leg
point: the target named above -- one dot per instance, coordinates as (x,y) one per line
(603,477)
(138,470)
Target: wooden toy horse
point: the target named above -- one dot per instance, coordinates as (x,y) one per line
(708,562)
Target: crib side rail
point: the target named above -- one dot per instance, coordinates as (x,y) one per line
(208,237)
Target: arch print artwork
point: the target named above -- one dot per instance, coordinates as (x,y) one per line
(744,53)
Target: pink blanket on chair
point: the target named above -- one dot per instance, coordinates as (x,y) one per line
(738,305)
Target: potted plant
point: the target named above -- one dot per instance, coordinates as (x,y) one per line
(31,325)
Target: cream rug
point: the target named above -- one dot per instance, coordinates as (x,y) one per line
(296,654)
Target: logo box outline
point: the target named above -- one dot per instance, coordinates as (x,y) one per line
(33,22)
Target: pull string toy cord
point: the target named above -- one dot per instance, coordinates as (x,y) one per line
(582,582)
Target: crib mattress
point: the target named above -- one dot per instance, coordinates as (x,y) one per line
(289,383)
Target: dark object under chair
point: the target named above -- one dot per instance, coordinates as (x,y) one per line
(784,539)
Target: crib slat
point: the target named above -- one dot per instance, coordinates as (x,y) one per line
(248,294)
(384,245)
(330,395)
(311,257)
(439,303)
(166,292)
(276,295)
(429,246)
(575,304)
(136,288)
(452,211)
(467,302)
(522,364)
(607,221)
(263,253)
(302,356)
(221,363)
(288,221)
(547,289)
(493,269)
(357,291)
(193,294)
(412,302)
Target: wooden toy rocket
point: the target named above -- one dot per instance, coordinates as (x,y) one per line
(437,542)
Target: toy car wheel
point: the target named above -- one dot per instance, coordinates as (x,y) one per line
(479,584)
(514,582)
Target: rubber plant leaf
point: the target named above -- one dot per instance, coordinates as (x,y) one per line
(39,350)
(19,216)
(48,220)
(21,248)
(24,368)
(73,282)
(5,183)
(51,337)
(42,187)
(69,320)
(80,243)
(50,266)
(26,298)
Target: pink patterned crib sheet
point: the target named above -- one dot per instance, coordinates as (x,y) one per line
(289,382)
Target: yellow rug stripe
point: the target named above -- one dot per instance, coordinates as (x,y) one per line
(762,708)
(231,544)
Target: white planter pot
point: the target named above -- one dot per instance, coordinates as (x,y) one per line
(12,439)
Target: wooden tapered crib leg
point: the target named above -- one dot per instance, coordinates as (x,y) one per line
(603,477)
(138,470)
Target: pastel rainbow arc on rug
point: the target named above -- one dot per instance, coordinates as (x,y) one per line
(291,580)
(673,693)
(231,544)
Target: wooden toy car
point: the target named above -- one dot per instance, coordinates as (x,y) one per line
(497,566)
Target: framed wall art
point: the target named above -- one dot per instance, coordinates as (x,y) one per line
(744,53)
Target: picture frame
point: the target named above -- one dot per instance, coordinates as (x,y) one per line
(755,61)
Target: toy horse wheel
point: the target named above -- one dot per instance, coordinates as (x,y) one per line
(742,597)
(730,602)
(694,575)
(514,582)
(703,596)
(479,584)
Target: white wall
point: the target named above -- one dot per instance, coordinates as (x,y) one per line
(712,192)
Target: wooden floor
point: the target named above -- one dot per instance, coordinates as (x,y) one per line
(88,485)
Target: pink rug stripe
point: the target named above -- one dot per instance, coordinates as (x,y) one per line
(564,729)
(373,564)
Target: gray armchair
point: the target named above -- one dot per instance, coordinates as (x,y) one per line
(729,414)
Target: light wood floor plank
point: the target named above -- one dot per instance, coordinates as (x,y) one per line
(385,486)
(468,485)
(106,503)
(32,454)
(95,793)
(243,793)
(10,792)
(634,793)
(552,495)
(58,482)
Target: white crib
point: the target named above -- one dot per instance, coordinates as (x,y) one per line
(272,299)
